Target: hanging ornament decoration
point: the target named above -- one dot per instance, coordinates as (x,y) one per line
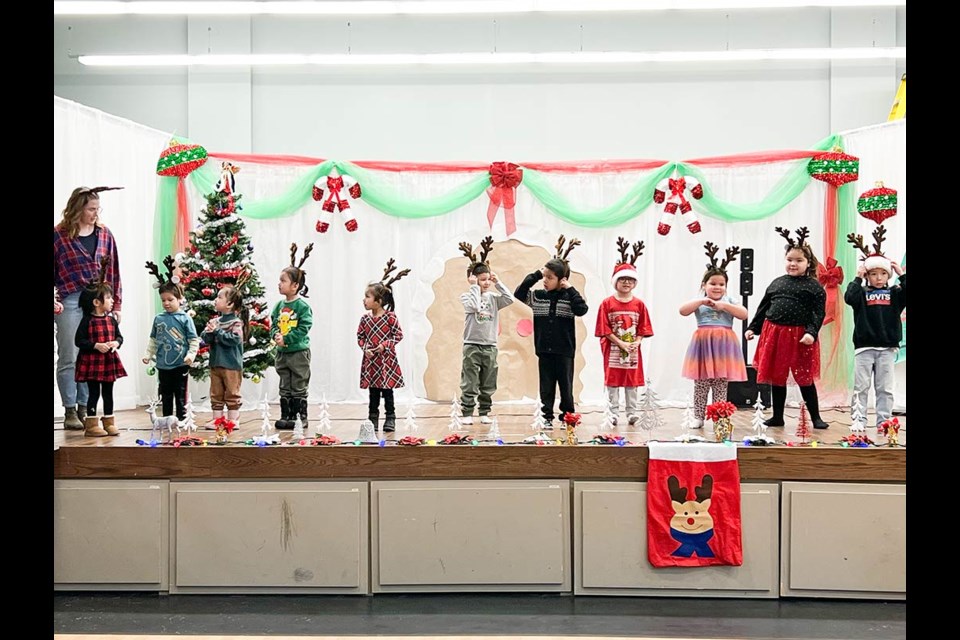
(671,193)
(834,167)
(878,204)
(335,185)
(208,291)
(178,159)
(505,177)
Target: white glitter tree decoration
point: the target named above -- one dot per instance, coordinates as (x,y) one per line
(650,418)
(494,432)
(323,425)
(859,421)
(410,421)
(298,429)
(265,426)
(189,421)
(456,410)
(759,428)
(538,424)
(609,422)
(689,421)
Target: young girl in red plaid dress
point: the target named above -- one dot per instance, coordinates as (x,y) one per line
(378,335)
(98,364)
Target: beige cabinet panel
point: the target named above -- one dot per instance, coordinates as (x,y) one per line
(610,546)
(258,536)
(844,540)
(471,535)
(110,534)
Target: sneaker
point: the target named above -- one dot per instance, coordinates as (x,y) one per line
(632,420)
(698,424)
(548,425)
(466,420)
(486,420)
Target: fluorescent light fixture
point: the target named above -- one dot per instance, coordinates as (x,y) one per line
(434,7)
(453,59)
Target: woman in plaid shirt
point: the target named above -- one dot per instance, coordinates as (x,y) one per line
(79,243)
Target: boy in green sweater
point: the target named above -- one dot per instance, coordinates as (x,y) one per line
(290,326)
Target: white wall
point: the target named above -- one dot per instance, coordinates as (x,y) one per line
(665,111)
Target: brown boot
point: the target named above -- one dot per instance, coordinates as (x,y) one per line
(109,427)
(72,421)
(91,428)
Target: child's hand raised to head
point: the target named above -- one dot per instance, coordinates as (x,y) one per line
(897,269)
(807,339)
(493,278)
(861,270)
(564,283)
(472,279)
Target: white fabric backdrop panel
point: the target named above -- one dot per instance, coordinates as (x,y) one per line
(92,148)
(882,150)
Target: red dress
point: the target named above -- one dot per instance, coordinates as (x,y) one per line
(380,370)
(630,321)
(92,365)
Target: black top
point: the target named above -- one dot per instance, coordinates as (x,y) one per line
(792,301)
(89,242)
(554,331)
(876,313)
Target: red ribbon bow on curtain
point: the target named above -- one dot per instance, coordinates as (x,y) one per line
(504,178)
(830,276)
(335,200)
(677,187)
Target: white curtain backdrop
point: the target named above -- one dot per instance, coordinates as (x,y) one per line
(343,263)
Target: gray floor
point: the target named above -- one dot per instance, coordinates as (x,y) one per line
(462,614)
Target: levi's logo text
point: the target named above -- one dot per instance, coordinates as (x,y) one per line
(878,296)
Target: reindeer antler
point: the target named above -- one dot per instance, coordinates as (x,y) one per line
(486,246)
(705,490)
(786,234)
(155,270)
(857,241)
(306,254)
(467,249)
(638,247)
(711,251)
(293,254)
(96,190)
(168,263)
(879,235)
(677,493)
(242,279)
(623,246)
(390,268)
(560,242)
(731,255)
(104,261)
(570,245)
(395,278)
(802,234)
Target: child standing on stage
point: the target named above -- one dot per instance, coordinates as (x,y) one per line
(226,336)
(788,320)
(481,305)
(554,330)
(290,324)
(98,364)
(378,335)
(622,323)
(713,358)
(173,342)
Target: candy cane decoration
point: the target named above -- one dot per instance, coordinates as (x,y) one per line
(671,191)
(336,184)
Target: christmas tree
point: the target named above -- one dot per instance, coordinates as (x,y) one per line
(455,412)
(410,422)
(650,418)
(858,420)
(803,426)
(219,254)
(759,427)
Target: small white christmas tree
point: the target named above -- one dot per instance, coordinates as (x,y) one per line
(323,424)
(689,421)
(608,423)
(538,423)
(298,429)
(759,428)
(859,421)
(494,432)
(189,421)
(265,426)
(456,411)
(650,418)
(410,421)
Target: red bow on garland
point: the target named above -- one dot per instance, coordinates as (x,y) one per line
(831,276)
(504,179)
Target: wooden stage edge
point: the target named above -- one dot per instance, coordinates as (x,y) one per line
(76,457)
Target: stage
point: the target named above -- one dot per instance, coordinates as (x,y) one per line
(822,521)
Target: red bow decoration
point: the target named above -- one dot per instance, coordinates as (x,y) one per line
(411,441)
(326,440)
(453,438)
(504,179)
(225,424)
(572,419)
(677,186)
(887,427)
(831,276)
(335,200)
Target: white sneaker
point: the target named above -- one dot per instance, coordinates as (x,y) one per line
(698,424)
(486,420)
(466,420)
(614,420)
(632,420)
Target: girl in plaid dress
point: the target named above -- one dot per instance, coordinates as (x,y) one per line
(98,364)
(378,335)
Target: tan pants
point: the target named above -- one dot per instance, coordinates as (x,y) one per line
(225,388)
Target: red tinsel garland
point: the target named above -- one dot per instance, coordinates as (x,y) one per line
(227,245)
(215,275)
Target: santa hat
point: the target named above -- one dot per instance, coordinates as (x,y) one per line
(877,261)
(624,271)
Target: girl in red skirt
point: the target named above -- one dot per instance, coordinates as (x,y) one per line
(98,364)
(788,321)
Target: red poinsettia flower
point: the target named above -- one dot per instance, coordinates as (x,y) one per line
(453,438)
(411,441)
(890,426)
(328,440)
(225,424)
(573,419)
(719,410)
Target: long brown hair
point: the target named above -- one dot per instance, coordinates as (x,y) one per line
(75,205)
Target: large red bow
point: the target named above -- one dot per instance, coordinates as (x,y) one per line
(830,276)
(504,178)
(334,200)
(677,186)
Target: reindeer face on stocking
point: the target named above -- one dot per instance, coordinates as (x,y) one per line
(673,193)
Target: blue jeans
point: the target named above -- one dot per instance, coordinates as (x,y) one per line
(875,366)
(72,392)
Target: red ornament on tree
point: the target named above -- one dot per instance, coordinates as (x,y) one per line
(207,292)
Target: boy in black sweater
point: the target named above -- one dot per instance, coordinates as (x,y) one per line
(877,330)
(554,332)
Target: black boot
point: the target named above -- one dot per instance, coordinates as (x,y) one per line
(286,414)
(779,400)
(390,423)
(809,394)
(374,417)
(300,406)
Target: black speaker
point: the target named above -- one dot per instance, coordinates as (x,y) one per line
(744,394)
(746,283)
(746,260)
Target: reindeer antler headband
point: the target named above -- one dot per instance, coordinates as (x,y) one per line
(293,255)
(95,190)
(624,247)
(390,268)
(730,255)
(802,234)
(562,254)
(170,265)
(486,247)
(879,235)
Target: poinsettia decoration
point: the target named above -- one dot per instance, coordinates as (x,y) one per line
(411,441)
(572,419)
(224,423)
(721,409)
(326,440)
(454,438)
